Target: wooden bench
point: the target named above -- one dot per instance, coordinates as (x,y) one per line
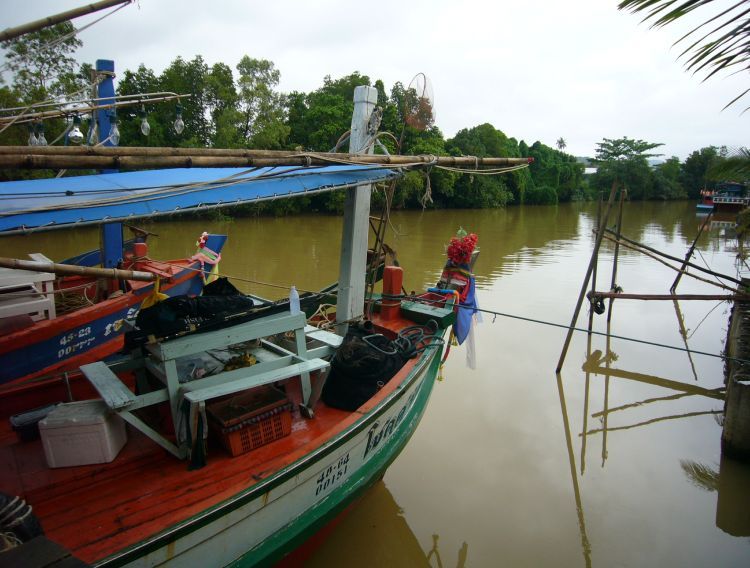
(194,393)
(26,292)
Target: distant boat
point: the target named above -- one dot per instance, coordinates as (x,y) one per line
(727,196)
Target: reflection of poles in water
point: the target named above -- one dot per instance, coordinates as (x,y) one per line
(593,365)
(585,544)
(607,362)
(683,334)
(463,552)
(586,406)
(434,551)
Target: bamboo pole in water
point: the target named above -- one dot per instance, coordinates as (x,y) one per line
(59,157)
(670,257)
(624,296)
(594,255)
(73,270)
(689,253)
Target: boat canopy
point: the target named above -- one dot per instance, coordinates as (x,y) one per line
(43,204)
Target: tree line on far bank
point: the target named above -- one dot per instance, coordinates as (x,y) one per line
(243,108)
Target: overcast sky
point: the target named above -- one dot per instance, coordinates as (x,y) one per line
(537,70)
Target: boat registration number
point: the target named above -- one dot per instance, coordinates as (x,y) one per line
(331,475)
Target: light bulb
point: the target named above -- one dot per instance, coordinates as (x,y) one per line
(179,124)
(145,127)
(75,135)
(114,133)
(40,139)
(93,138)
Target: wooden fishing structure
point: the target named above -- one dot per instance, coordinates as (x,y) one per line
(736,432)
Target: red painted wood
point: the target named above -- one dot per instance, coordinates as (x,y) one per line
(98,509)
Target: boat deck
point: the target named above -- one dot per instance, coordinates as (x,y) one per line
(146,490)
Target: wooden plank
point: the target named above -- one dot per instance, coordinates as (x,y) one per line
(112,390)
(202,394)
(255,329)
(329,338)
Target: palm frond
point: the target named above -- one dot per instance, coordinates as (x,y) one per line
(736,166)
(700,475)
(724,44)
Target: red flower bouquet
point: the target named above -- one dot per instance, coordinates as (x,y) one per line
(460,248)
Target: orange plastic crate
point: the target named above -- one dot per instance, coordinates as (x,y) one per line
(250,420)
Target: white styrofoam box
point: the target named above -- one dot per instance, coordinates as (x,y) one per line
(81,433)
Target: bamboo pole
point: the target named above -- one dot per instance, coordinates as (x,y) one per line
(676,259)
(690,252)
(595,253)
(73,270)
(624,296)
(613,282)
(11,33)
(54,157)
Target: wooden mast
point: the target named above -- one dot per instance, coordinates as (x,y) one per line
(352,266)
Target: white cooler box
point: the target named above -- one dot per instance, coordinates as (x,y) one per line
(82,433)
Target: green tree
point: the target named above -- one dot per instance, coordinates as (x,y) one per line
(261,108)
(561,144)
(625,160)
(666,180)
(481,190)
(694,171)
(42,62)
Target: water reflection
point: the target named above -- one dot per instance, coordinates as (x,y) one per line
(731,480)
(388,540)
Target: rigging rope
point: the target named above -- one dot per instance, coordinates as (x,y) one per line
(563,326)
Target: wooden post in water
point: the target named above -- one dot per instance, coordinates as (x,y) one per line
(690,253)
(613,283)
(596,263)
(582,295)
(353,263)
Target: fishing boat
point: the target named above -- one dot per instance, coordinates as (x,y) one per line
(43,336)
(727,196)
(309,459)
(249,430)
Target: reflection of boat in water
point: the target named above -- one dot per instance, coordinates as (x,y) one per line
(376,534)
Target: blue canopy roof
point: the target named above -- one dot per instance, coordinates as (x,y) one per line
(64,202)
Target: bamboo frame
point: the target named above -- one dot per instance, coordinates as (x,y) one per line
(103,157)
(11,33)
(73,270)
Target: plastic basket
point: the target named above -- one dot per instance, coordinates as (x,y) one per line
(250,420)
